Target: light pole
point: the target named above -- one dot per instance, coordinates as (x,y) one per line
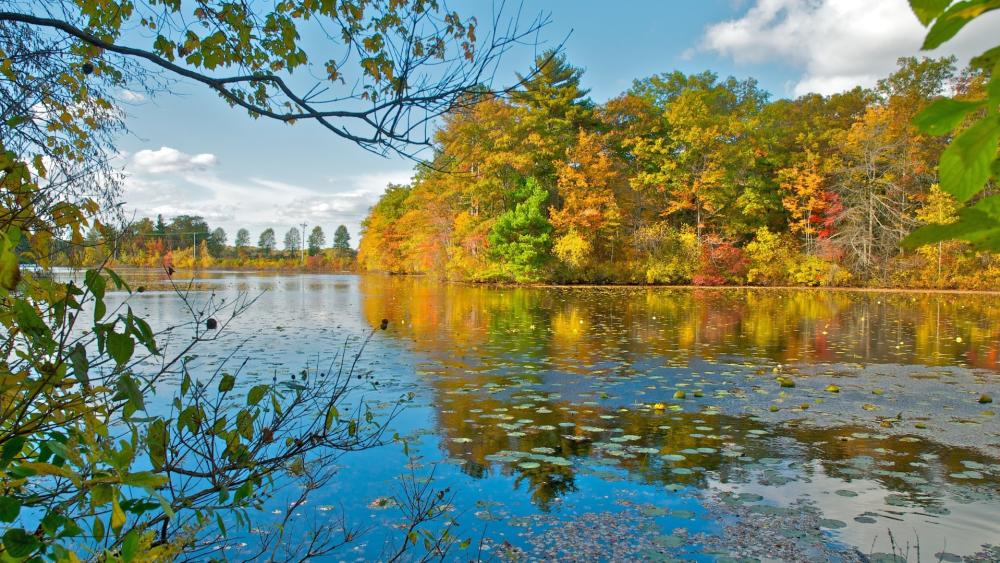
(302,244)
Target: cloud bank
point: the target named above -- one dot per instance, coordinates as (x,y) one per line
(836,44)
(170,182)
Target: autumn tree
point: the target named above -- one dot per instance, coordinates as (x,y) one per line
(588,218)
(381,241)
(698,162)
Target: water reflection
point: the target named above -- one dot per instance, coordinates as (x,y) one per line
(659,407)
(548,385)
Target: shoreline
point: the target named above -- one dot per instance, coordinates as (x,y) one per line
(551,285)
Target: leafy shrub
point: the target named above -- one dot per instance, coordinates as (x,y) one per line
(769,255)
(814,271)
(721,263)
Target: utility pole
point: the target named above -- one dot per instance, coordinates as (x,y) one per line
(302,244)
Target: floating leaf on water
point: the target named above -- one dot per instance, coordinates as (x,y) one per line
(985,399)
(382,503)
(654,511)
(845,493)
(672,457)
(671,541)
(461,440)
(679,394)
(865,519)
(680,471)
(529,465)
(832,388)
(896,500)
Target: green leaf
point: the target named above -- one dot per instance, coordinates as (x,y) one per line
(10,270)
(130,546)
(928,10)
(244,423)
(244,491)
(95,283)
(10,507)
(19,543)
(117,515)
(144,479)
(11,449)
(944,115)
(28,319)
(227,383)
(80,363)
(332,414)
(118,281)
(156,442)
(988,60)
(973,225)
(98,529)
(954,19)
(121,347)
(129,389)
(965,164)
(257,392)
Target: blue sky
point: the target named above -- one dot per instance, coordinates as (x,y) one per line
(188,152)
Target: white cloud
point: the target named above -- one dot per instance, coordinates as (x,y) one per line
(132,97)
(169,160)
(169,182)
(837,44)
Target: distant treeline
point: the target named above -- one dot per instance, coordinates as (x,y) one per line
(188,242)
(683,179)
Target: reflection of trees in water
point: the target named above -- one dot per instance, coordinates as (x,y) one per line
(486,343)
(570,328)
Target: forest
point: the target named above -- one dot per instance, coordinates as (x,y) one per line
(684,179)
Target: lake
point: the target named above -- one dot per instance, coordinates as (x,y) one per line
(648,423)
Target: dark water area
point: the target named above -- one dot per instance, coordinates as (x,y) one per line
(646,423)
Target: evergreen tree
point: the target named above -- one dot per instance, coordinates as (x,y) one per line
(342,239)
(521,239)
(317,240)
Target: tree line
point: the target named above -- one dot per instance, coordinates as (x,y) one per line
(684,178)
(187,241)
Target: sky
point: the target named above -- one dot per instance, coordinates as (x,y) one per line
(188,152)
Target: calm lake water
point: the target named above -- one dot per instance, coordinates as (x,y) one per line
(631,423)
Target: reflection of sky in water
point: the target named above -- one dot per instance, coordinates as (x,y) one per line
(574,375)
